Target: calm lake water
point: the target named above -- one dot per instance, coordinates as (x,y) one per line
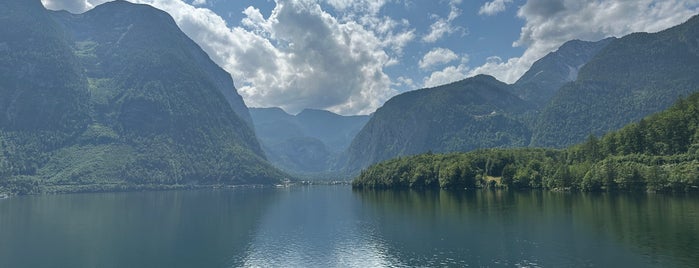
(331,226)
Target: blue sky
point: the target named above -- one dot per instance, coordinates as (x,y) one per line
(479,36)
(350,56)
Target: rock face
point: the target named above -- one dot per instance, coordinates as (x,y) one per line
(546,76)
(117,95)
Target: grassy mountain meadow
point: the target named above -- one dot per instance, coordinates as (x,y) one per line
(95,101)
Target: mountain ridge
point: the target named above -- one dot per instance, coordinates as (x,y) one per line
(591,88)
(469,110)
(632,77)
(543,79)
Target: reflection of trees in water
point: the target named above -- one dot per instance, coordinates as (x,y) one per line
(548,228)
(660,226)
(149,229)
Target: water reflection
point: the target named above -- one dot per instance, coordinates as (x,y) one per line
(331,226)
(316,227)
(150,229)
(533,228)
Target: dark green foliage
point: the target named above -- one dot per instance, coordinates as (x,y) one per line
(478,112)
(657,154)
(116,96)
(463,170)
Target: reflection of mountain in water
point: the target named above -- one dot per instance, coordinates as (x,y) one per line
(331,226)
(534,228)
(149,229)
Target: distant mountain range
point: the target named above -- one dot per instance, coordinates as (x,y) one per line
(116,97)
(309,142)
(582,88)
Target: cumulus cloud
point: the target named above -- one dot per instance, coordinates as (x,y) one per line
(550,23)
(394,34)
(437,56)
(406,82)
(444,26)
(494,7)
(300,56)
(199,2)
(448,74)
(358,6)
(73,6)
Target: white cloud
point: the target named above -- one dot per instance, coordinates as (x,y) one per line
(394,34)
(448,74)
(442,26)
(300,56)
(437,56)
(199,2)
(74,6)
(493,7)
(358,6)
(438,29)
(406,82)
(550,23)
(454,10)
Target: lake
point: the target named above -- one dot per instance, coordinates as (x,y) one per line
(334,226)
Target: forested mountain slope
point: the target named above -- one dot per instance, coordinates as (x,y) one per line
(632,77)
(116,96)
(478,112)
(659,153)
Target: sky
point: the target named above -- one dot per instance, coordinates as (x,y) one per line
(350,56)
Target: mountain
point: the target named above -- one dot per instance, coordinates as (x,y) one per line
(309,142)
(117,97)
(659,153)
(548,74)
(41,87)
(478,112)
(631,77)
(582,88)
(334,130)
